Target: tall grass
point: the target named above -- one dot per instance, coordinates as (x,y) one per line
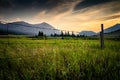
(26,59)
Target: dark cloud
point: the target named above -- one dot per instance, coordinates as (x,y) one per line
(22,7)
(47,5)
(21,4)
(32,5)
(17,8)
(26,4)
(89,3)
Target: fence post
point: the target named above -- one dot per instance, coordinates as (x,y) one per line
(102,37)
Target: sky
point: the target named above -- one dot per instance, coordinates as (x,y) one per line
(73,15)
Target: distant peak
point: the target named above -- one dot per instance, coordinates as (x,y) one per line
(20,22)
(118,24)
(112,28)
(44,23)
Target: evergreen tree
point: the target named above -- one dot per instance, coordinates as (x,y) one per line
(65,34)
(73,35)
(68,34)
(51,35)
(55,34)
(40,33)
(62,34)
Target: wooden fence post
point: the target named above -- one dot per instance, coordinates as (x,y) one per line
(102,37)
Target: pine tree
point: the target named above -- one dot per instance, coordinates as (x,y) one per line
(40,33)
(62,34)
(73,35)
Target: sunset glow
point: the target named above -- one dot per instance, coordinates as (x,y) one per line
(73,15)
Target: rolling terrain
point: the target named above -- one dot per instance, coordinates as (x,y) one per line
(23,28)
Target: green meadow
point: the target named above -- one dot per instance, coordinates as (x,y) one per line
(57,59)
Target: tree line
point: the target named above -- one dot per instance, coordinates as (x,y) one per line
(62,34)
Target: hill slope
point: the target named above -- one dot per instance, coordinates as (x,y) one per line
(87,33)
(112,29)
(23,28)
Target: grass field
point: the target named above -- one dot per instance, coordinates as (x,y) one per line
(27,59)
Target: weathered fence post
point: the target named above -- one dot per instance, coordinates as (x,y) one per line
(102,37)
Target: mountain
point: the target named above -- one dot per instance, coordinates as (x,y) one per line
(112,29)
(114,34)
(47,28)
(23,28)
(44,25)
(87,33)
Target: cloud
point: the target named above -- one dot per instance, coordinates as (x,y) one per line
(17,19)
(82,19)
(101,10)
(57,12)
(47,5)
(6,3)
(1,17)
(110,17)
(63,14)
(18,8)
(89,3)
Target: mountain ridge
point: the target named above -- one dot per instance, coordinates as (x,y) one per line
(87,33)
(112,28)
(25,28)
